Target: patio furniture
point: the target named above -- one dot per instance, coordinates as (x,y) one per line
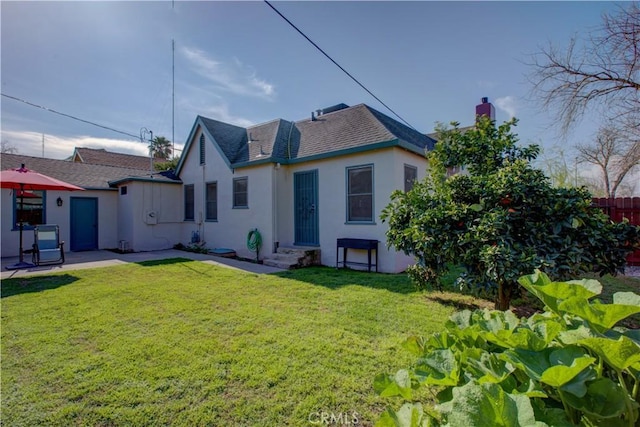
(47,247)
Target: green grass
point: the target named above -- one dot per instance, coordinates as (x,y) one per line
(180,342)
(186,343)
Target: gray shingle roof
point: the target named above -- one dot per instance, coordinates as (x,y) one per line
(84,175)
(343,128)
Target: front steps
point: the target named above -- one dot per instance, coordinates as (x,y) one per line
(293,257)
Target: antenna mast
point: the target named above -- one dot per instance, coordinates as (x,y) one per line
(173,96)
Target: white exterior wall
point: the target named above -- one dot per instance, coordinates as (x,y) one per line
(233,225)
(388,175)
(150,216)
(60,215)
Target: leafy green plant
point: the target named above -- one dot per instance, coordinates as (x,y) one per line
(568,366)
(500,220)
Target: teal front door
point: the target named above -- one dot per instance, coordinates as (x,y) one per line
(84,224)
(305,204)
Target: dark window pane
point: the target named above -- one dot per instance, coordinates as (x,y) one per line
(360,181)
(410,177)
(212,201)
(360,194)
(361,208)
(29,207)
(189,203)
(240,193)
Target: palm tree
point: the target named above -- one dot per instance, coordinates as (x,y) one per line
(161,148)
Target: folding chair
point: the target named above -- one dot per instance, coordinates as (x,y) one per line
(47,249)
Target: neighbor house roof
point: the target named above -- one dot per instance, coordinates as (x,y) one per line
(336,131)
(88,176)
(103,157)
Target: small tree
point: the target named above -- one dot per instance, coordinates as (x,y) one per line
(161,148)
(615,153)
(501,220)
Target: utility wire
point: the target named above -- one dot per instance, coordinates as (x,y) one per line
(70,116)
(336,64)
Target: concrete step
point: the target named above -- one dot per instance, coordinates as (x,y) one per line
(285,261)
(293,257)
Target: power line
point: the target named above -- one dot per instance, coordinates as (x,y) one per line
(70,116)
(337,65)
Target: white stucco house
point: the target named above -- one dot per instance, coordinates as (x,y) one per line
(304,183)
(301,183)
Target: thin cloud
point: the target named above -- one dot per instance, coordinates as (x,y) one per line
(234,76)
(61,147)
(218,111)
(507,104)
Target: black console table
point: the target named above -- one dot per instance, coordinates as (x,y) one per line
(368,244)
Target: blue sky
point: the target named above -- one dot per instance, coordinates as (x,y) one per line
(239,62)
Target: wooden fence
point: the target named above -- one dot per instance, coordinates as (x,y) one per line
(619,208)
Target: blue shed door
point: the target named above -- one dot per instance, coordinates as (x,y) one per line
(84,224)
(305,203)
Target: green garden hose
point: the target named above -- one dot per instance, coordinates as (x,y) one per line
(254,242)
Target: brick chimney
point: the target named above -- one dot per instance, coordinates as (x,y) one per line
(486,109)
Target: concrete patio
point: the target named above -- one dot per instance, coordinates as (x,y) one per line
(93,259)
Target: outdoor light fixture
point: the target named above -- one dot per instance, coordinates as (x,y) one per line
(59,201)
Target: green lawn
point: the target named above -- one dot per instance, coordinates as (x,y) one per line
(186,343)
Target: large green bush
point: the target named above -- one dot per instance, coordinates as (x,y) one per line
(501,218)
(568,366)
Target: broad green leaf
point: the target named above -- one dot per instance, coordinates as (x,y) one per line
(620,354)
(438,368)
(578,384)
(555,417)
(409,415)
(601,316)
(415,345)
(547,329)
(559,375)
(530,339)
(440,340)
(553,293)
(633,335)
(487,404)
(476,207)
(604,399)
(626,298)
(533,363)
(485,366)
(460,320)
(574,336)
(398,385)
(531,389)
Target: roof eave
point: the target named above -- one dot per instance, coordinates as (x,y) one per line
(141,179)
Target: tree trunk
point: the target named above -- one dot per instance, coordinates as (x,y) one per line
(504,297)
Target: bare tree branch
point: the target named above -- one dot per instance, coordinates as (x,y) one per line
(615,153)
(602,71)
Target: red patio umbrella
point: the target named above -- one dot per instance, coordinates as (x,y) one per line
(24,180)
